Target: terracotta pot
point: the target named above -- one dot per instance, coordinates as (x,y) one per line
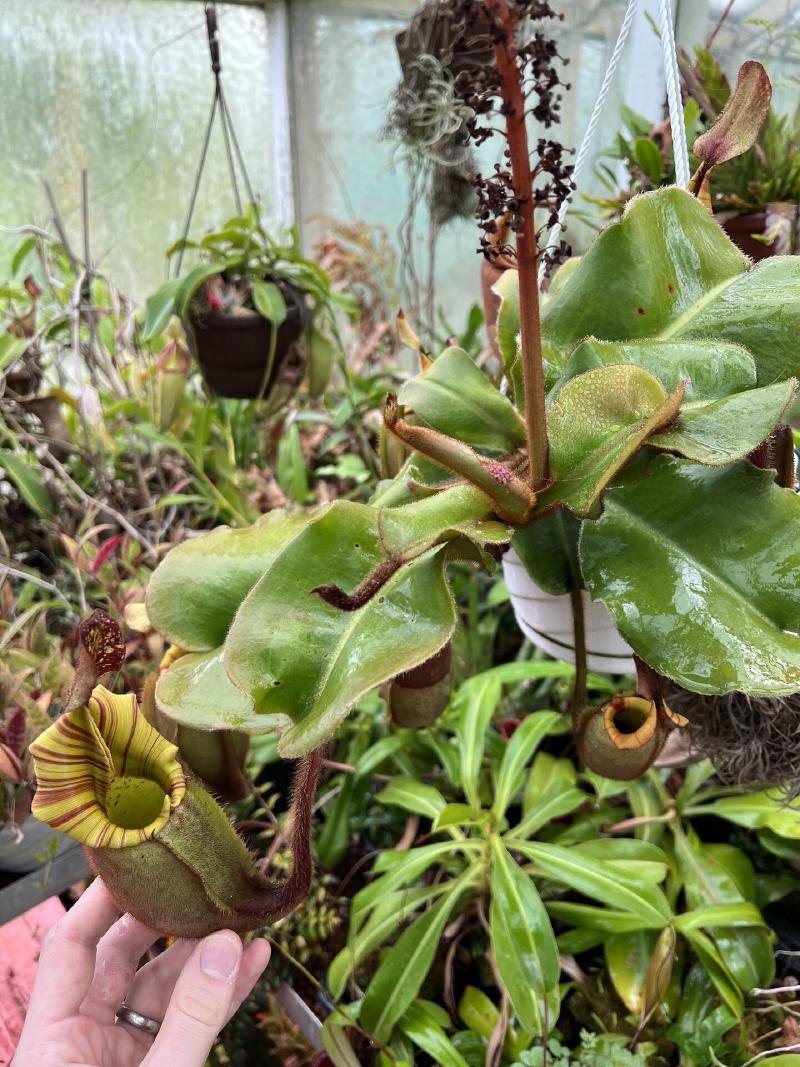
(740,229)
(546,621)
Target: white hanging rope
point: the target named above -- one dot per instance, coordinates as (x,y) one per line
(583,152)
(672,77)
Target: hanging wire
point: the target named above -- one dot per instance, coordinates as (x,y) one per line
(233,152)
(583,152)
(679,148)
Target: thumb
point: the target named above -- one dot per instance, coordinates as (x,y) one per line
(199,1005)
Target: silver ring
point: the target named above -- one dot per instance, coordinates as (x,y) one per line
(129,1015)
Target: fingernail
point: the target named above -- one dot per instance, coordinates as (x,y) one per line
(220,954)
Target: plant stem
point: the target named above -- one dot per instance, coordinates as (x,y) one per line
(579,695)
(527,258)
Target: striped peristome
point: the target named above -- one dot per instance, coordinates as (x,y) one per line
(104,775)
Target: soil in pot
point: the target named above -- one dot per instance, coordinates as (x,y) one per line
(233,350)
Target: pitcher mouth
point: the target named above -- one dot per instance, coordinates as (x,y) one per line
(104,775)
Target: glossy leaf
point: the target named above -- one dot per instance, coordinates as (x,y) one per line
(521,746)
(668,272)
(456,398)
(725,430)
(404,967)
(507,288)
(336,1044)
(159,309)
(296,654)
(747,951)
(411,795)
(408,866)
(627,957)
(610,886)
(755,811)
(269,301)
(197,692)
(718,971)
(28,481)
(605,920)
(595,427)
(422,1024)
(547,771)
(476,702)
(700,569)
(558,800)
(382,925)
(549,550)
(710,369)
(198,588)
(523,944)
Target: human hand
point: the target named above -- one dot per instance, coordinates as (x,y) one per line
(88,968)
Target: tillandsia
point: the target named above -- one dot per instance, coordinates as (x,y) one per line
(161,843)
(633,455)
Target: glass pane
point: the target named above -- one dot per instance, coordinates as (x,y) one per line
(124,89)
(345,69)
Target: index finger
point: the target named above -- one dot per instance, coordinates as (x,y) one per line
(66,963)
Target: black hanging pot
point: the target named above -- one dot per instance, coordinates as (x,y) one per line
(233,350)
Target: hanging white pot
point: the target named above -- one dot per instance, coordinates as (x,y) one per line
(546,620)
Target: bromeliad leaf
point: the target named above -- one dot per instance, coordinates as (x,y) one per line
(523,943)
(668,272)
(456,398)
(596,425)
(701,570)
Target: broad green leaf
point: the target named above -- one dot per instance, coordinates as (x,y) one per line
(197,692)
(409,866)
(336,1043)
(404,968)
(547,772)
(710,369)
(392,910)
(718,971)
(707,918)
(190,282)
(507,288)
(28,482)
(321,358)
(640,859)
(456,398)
(549,550)
(755,811)
(747,951)
(700,569)
(598,422)
(296,654)
(198,588)
(559,799)
(609,886)
(458,509)
(414,796)
(523,943)
(725,430)
(476,703)
(377,753)
(668,272)
(159,309)
(648,158)
(422,1024)
(269,301)
(627,957)
(519,749)
(605,920)
(459,815)
(481,1016)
